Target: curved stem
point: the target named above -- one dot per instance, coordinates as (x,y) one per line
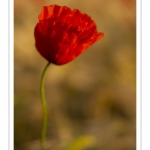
(44,106)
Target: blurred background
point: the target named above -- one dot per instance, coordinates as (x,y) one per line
(91,100)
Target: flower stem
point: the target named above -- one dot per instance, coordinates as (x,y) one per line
(44,107)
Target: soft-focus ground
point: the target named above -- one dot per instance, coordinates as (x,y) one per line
(91,100)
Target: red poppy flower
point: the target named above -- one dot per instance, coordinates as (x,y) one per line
(62,34)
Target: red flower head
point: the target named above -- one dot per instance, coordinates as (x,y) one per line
(62,34)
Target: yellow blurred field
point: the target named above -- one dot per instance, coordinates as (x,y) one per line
(91,100)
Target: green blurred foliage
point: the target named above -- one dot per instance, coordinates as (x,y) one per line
(94,95)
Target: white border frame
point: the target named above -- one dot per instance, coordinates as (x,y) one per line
(4,83)
(145,75)
(138,75)
(6,74)
(11,74)
(7,77)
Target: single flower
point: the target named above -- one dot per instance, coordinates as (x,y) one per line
(62,34)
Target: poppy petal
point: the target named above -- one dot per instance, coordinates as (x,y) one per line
(62,34)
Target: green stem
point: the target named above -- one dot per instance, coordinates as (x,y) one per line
(44,106)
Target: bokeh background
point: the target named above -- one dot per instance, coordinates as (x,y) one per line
(91,100)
